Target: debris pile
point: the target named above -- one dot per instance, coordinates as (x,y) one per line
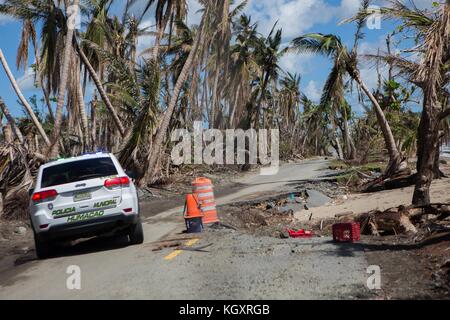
(261,221)
(272,216)
(416,221)
(408,220)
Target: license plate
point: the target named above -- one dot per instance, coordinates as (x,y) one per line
(82,196)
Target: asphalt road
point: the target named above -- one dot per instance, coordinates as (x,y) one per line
(233,266)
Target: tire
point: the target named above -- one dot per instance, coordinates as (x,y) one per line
(43,248)
(136,234)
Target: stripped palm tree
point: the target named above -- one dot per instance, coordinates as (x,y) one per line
(242,66)
(289,97)
(432,72)
(136,149)
(314,120)
(345,63)
(162,130)
(68,50)
(432,32)
(29,35)
(268,53)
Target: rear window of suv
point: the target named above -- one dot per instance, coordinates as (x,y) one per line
(77,171)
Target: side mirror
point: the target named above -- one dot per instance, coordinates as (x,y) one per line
(30,192)
(131,174)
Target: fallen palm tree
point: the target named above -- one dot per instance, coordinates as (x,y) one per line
(18,166)
(401,179)
(404,219)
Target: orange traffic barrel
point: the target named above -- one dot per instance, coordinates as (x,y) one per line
(203,188)
(192,214)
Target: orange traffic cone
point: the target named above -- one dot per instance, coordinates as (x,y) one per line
(192,214)
(203,188)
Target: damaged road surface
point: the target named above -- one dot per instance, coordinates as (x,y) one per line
(238,265)
(241,266)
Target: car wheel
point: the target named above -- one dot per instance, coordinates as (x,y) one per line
(136,233)
(43,248)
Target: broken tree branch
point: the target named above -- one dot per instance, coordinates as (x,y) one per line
(22,99)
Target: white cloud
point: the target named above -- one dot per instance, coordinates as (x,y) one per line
(5,19)
(348,8)
(370,77)
(367,47)
(293,16)
(312,91)
(294,62)
(26,82)
(147,41)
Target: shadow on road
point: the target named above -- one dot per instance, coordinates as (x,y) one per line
(91,245)
(83,247)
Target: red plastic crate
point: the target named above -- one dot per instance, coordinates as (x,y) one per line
(346,232)
(299,233)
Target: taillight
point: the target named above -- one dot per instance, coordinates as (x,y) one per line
(124,181)
(117,182)
(46,195)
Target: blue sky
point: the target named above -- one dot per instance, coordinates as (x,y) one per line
(295,17)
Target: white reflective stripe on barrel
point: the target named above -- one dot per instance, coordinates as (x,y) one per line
(202,187)
(210,208)
(208,202)
(205,195)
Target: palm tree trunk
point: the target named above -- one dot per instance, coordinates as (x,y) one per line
(427,146)
(338,147)
(193,96)
(349,145)
(93,124)
(154,155)
(438,174)
(63,84)
(82,107)
(394,155)
(100,133)
(159,35)
(11,121)
(27,106)
(101,90)
(214,96)
(161,26)
(41,81)
(261,99)
(233,110)
(431,70)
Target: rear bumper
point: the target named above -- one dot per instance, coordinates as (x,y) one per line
(89,228)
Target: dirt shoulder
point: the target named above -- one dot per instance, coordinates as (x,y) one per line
(363,202)
(16,243)
(413,266)
(411,270)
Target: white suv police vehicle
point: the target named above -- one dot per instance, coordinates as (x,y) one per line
(83,197)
